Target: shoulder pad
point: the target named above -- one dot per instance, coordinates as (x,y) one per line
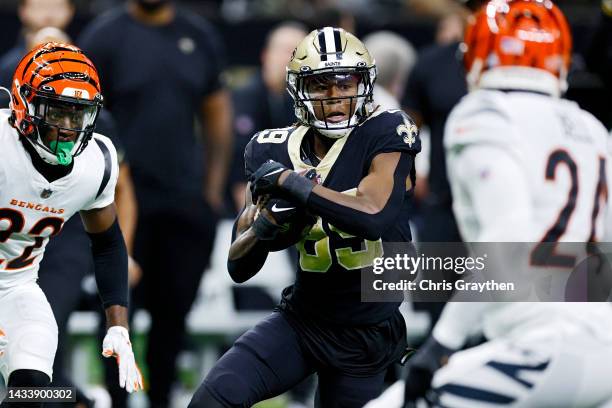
(264,145)
(391,131)
(481,117)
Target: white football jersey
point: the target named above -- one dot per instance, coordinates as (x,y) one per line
(33,209)
(553,152)
(526,167)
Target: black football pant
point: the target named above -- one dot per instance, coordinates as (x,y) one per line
(267,361)
(173,249)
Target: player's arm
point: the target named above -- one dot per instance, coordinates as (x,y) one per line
(110,262)
(458,322)
(249,251)
(111,272)
(368,214)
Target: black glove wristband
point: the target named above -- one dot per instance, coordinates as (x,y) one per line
(265,229)
(298,187)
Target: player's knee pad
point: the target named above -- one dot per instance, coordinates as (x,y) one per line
(204,399)
(28,378)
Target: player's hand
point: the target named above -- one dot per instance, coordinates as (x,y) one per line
(3,342)
(265,178)
(117,344)
(265,226)
(421,368)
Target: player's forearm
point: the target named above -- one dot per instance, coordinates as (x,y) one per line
(365,221)
(116,316)
(247,254)
(246,257)
(369,213)
(459,321)
(242,245)
(110,266)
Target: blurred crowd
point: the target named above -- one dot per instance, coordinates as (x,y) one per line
(187,84)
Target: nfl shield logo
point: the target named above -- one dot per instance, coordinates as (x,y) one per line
(46,193)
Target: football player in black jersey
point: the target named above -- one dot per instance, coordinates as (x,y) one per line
(364,163)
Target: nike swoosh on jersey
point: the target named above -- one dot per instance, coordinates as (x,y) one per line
(276,209)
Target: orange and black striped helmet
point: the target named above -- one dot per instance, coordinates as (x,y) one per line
(517,33)
(55,87)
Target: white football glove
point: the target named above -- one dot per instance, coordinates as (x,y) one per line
(117,344)
(3,342)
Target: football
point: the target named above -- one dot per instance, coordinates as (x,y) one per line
(295,222)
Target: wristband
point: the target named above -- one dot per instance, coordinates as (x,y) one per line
(298,187)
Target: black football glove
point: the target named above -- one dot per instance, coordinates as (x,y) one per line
(296,187)
(421,368)
(265,229)
(282,211)
(265,179)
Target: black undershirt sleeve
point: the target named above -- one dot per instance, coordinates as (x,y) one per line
(110,266)
(243,269)
(362,224)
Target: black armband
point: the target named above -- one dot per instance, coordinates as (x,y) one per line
(362,224)
(298,187)
(110,265)
(244,268)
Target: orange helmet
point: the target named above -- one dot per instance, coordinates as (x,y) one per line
(518,44)
(55,101)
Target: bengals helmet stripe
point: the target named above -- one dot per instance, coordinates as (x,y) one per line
(41,66)
(35,55)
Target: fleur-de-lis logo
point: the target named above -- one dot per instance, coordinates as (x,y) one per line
(408,131)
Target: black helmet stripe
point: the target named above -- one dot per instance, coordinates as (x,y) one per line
(330,44)
(46,51)
(65,75)
(337,43)
(46,63)
(322,47)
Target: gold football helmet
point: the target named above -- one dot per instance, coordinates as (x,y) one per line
(331,78)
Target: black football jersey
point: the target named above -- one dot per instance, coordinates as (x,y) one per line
(328,283)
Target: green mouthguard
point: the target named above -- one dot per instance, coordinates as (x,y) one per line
(63,151)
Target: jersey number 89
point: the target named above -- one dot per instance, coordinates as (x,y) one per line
(316,252)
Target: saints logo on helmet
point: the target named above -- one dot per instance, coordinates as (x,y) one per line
(55,101)
(331,79)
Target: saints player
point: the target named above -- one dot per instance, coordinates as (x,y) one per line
(364,160)
(524,166)
(53,166)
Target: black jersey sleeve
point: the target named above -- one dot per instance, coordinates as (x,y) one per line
(268,144)
(391,131)
(254,155)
